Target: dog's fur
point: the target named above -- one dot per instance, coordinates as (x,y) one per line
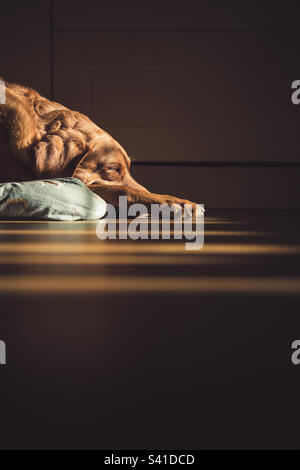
(43,139)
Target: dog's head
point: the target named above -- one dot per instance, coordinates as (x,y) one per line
(107,161)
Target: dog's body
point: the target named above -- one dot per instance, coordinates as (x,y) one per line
(43,139)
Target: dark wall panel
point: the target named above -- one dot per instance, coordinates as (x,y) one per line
(210,143)
(200,81)
(176,14)
(185,96)
(25,39)
(225,187)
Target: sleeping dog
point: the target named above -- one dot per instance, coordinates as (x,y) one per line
(43,139)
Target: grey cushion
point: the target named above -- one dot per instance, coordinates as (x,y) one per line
(50,199)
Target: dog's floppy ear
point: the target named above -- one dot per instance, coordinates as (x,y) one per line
(78,161)
(49,156)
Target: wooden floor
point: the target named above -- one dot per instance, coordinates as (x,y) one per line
(248,252)
(142,344)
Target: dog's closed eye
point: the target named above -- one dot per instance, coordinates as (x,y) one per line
(113,168)
(110,172)
(108,167)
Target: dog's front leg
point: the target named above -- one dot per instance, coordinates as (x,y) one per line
(111,192)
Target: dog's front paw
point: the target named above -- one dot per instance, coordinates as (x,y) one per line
(181,206)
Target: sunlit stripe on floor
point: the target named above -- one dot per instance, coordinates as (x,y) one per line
(208,233)
(208,220)
(119,260)
(148,247)
(108,284)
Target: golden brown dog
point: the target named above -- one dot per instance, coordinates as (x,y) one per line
(43,139)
